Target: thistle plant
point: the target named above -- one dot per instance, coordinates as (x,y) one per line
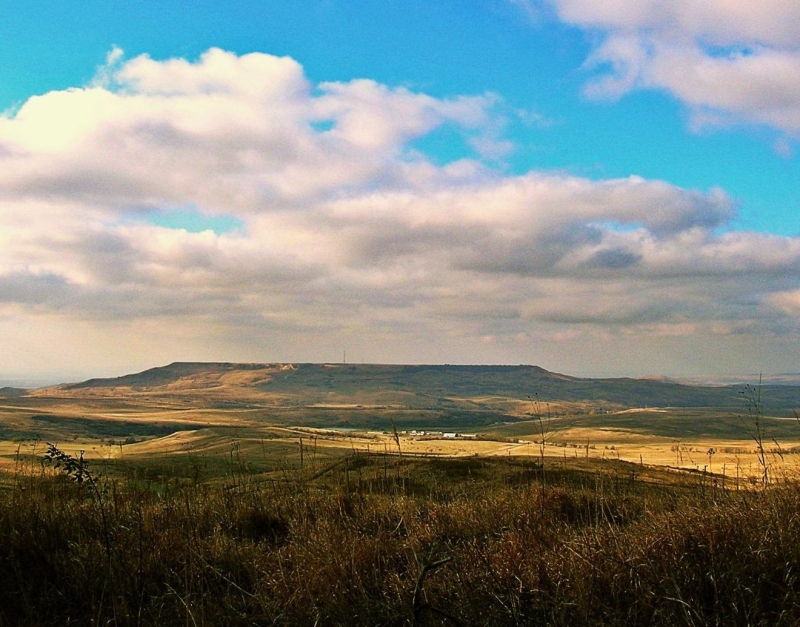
(76,468)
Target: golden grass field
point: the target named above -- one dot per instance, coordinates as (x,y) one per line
(212,432)
(234,495)
(205,412)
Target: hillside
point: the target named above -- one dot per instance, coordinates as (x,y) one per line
(417,386)
(214,410)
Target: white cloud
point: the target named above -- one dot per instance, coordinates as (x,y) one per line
(787,302)
(349,235)
(720,22)
(730,61)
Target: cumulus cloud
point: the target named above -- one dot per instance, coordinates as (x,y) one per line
(347,231)
(729,61)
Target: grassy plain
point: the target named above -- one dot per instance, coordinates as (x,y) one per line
(238,495)
(203,411)
(371,539)
(695,441)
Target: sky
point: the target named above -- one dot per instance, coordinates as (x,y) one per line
(597,187)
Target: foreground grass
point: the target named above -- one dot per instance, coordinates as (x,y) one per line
(370,540)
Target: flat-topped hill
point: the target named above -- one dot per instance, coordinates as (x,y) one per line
(423,386)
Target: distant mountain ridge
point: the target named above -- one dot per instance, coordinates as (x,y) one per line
(422,385)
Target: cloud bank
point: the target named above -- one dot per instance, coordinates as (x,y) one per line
(345,233)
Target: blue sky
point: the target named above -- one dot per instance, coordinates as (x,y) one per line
(441,48)
(641,158)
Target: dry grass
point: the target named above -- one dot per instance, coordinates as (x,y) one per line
(731,457)
(379,540)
